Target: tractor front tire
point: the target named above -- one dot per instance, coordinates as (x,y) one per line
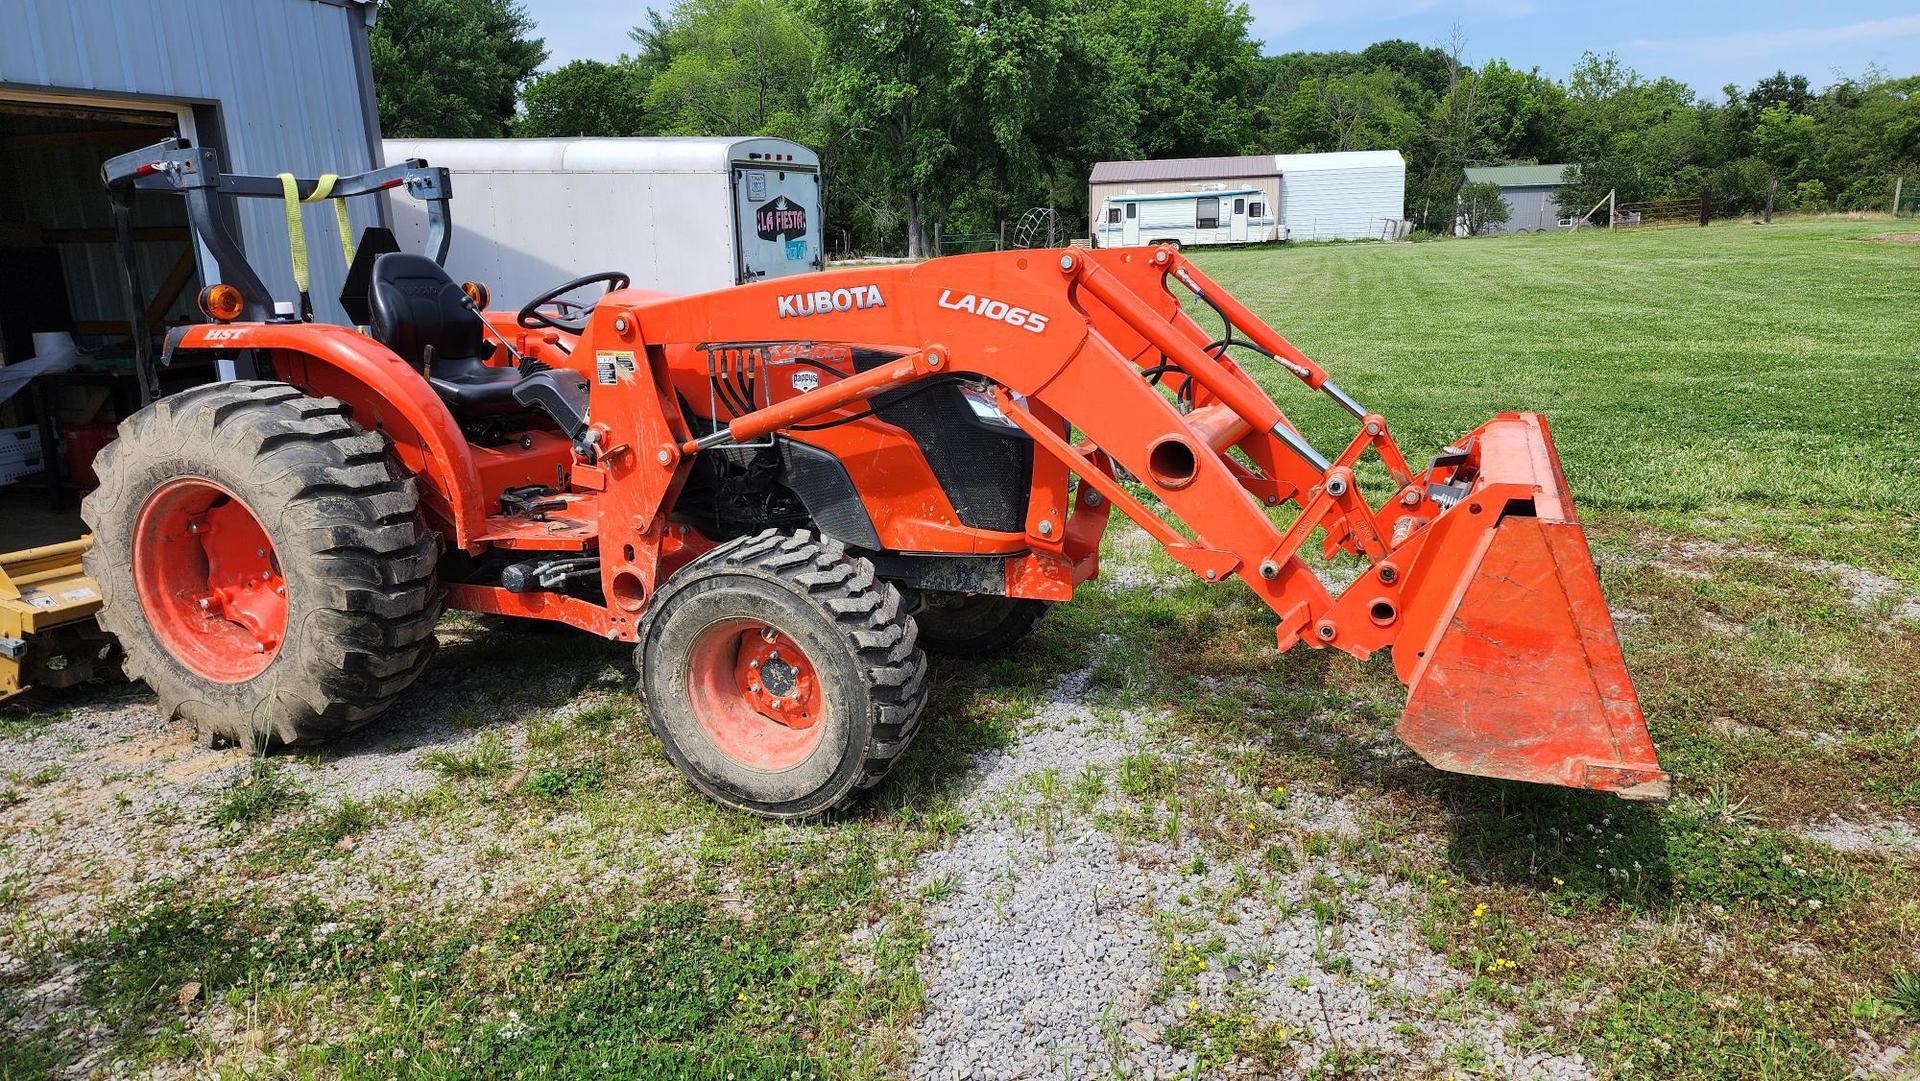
(781,676)
(262,563)
(975,624)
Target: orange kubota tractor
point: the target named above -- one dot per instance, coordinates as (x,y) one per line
(783,492)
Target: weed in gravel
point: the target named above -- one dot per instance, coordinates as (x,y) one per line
(555,783)
(265,790)
(487,756)
(1220,1038)
(171,948)
(1904,992)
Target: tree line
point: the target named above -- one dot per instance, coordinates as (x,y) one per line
(964,113)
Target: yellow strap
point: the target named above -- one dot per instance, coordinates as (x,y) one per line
(296,231)
(322,188)
(296,227)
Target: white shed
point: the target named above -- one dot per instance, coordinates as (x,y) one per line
(1348,195)
(682,215)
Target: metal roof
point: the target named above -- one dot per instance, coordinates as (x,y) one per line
(1121,172)
(1178,169)
(670,154)
(1341,159)
(1519,176)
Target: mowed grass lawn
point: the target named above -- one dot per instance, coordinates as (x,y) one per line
(1771,374)
(1736,410)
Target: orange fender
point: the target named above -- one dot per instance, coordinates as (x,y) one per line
(387,396)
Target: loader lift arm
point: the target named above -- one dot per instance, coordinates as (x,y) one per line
(1479,579)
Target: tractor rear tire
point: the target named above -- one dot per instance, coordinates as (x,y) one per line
(975,624)
(782,677)
(263,563)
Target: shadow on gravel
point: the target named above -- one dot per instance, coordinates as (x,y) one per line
(1589,845)
(488,672)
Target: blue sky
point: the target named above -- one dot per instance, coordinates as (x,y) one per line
(1705,43)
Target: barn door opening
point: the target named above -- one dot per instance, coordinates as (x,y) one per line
(63,295)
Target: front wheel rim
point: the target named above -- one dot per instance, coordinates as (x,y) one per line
(209,580)
(756,694)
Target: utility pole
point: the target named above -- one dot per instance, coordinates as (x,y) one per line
(1706,197)
(1896,194)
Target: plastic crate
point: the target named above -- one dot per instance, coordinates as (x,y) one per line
(20,453)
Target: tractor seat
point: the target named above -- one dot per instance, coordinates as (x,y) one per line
(419,313)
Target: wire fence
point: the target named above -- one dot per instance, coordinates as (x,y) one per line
(946,243)
(1906,197)
(1658,214)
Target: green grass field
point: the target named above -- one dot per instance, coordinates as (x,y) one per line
(1736,410)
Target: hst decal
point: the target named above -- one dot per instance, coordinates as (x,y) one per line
(988,308)
(827,301)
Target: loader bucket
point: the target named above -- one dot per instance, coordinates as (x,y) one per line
(1523,678)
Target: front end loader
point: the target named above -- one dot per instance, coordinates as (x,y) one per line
(784,493)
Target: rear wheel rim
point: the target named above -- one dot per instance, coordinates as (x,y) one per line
(756,694)
(209,580)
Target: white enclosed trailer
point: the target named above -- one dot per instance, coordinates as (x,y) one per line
(678,215)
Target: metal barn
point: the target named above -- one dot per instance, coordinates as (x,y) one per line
(275,85)
(1247,200)
(1532,193)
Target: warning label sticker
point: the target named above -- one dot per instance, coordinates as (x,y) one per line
(611,365)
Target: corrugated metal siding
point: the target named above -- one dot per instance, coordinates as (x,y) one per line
(281,74)
(1342,204)
(1533,209)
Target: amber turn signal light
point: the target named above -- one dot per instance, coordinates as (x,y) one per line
(222,302)
(477,293)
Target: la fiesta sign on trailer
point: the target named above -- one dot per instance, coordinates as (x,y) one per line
(678,215)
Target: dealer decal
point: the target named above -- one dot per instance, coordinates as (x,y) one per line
(827,301)
(988,308)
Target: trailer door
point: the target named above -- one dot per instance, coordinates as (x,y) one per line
(1237,223)
(1130,225)
(777,220)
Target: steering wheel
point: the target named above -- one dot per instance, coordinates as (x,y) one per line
(532,318)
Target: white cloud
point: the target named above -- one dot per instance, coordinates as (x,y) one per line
(1760,44)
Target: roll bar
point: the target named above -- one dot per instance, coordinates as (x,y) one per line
(174,165)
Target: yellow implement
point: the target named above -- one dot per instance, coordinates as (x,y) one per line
(47,634)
